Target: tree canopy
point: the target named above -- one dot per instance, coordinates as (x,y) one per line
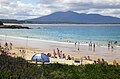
(1,23)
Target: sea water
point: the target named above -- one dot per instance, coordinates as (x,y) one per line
(99,34)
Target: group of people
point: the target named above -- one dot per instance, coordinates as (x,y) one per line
(78,46)
(5,48)
(22,53)
(92,46)
(100,61)
(111,45)
(59,54)
(115,63)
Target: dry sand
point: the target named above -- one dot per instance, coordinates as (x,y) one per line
(33,46)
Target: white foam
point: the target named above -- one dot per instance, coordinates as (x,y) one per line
(33,39)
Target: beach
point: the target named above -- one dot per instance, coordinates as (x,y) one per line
(33,46)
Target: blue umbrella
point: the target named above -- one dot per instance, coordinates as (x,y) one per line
(41,57)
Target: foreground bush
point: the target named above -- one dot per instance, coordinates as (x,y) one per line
(18,68)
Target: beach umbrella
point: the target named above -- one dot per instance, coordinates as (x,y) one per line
(41,57)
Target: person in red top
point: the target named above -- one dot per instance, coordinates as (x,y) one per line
(98,60)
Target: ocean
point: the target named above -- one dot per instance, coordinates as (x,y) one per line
(99,33)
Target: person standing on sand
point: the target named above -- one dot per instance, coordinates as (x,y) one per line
(10,46)
(58,51)
(54,53)
(23,53)
(78,45)
(6,44)
(78,48)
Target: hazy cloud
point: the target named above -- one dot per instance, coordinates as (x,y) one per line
(25,9)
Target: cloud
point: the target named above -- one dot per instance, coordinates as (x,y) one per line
(26,9)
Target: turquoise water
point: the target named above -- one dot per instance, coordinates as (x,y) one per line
(99,34)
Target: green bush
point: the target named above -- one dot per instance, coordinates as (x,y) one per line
(18,68)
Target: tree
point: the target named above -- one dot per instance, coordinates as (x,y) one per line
(1,23)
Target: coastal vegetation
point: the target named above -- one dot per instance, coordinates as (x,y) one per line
(12,26)
(18,68)
(1,23)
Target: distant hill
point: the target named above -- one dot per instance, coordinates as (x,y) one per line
(73,17)
(9,21)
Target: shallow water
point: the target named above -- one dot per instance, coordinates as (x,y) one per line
(83,33)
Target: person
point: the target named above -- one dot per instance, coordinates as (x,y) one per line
(78,48)
(49,55)
(94,47)
(5,50)
(115,42)
(61,52)
(75,43)
(85,58)
(6,44)
(10,46)
(60,55)
(1,48)
(23,53)
(20,50)
(108,46)
(90,46)
(58,51)
(112,48)
(117,64)
(98,60)
(94,62)
(89,58)
(103,60)
(64,55)
(54,53)
(114,62)
(68,58)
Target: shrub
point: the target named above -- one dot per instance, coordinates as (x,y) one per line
(18,68)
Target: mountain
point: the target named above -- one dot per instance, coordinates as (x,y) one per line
(73,17)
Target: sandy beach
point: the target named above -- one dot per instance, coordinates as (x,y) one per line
(33,46)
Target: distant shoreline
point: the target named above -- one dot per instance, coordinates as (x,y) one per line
(93,24)
(13,27)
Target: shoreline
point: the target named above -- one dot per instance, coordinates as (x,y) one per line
(41,40)
(83,43)
(67,48)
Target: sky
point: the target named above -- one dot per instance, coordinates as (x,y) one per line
(27,9)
